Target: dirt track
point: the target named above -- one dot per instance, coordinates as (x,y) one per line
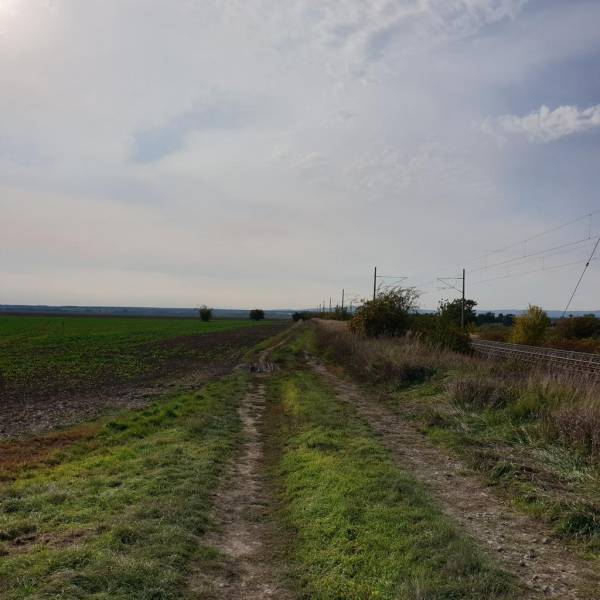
(546,568)
(242,509)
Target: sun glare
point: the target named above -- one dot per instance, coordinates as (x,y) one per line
(8,8)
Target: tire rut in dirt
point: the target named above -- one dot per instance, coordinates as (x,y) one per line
(546,568)
(242,508)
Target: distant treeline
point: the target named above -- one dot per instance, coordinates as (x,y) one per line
(119,311)
(490,317)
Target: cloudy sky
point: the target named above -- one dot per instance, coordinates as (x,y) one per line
(269,153)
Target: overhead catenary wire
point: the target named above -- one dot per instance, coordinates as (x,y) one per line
(521,260)
(539,235)
(510,275)
(531,255)
(587,264)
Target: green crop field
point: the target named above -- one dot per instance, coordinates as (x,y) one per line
(45,354)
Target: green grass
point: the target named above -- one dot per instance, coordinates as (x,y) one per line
(494,418)
(507,445)
(120,515)
(53,353)
(544,479)
(356,526)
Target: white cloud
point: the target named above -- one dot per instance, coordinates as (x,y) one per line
(351,34)
(464,17)
(268,135)
(546,125)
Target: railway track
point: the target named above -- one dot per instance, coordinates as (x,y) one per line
(581,362)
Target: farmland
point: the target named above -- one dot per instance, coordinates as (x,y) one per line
(50,360)
(337,467)
(80,351)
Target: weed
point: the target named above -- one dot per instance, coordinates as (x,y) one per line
(577,425)
(582,521)
(480,392)
(393,361)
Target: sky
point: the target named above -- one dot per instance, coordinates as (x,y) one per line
(270,153)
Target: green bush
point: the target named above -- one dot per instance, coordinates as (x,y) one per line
(257,314)
(450,337)
(302,315)
(531,327)
(386,315)
(205,313)
(440,331)
(452,311)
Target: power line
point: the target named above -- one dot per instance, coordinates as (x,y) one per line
(570,264)
(533,254)
(587,264)
(504,263)
(426,283)
(538,235)
(559,249)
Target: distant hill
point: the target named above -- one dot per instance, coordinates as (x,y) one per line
(134,311)
(553,314)
(219,313)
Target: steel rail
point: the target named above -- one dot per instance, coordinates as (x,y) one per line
(578,361)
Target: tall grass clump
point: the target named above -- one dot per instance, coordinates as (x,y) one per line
(482,391)
(573,418)
(396,360)
(578,425)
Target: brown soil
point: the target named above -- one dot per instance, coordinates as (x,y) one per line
(201,357)
(15,454)
(546,568)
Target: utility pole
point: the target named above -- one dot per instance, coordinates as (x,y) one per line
(375,283)
(446,281)
(462,312)
(329,304)
(342,300)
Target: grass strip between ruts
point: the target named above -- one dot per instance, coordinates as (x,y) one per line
(357,527)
